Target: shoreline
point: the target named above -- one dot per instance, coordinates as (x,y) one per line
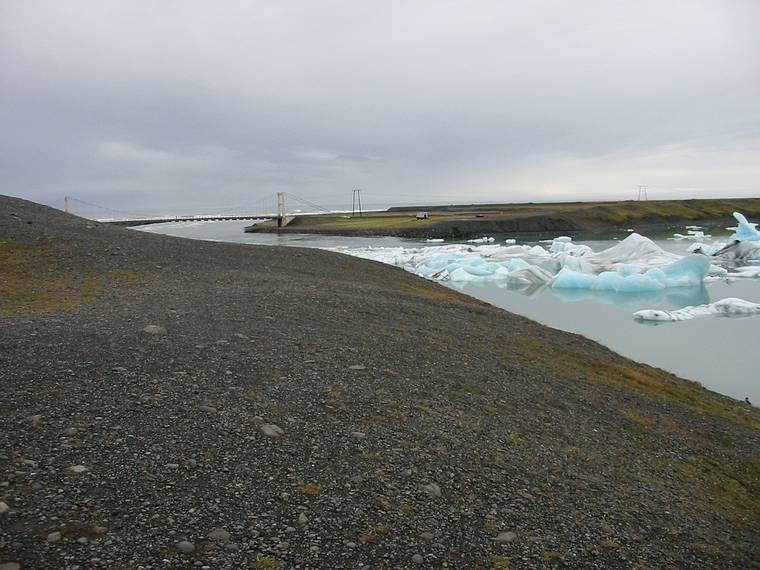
(410,419)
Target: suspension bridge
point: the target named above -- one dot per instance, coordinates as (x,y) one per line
(259,209)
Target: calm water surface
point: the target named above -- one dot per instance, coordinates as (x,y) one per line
(721,353)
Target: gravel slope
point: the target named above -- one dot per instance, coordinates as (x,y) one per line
(309,410)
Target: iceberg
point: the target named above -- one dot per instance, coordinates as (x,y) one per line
(745,231)
(633,249)
(629,278)
(730,307)
(634,265)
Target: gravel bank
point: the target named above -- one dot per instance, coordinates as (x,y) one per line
(171,404)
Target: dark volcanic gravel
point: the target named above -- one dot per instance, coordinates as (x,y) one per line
(301,409)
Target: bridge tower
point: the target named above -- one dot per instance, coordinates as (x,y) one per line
(280,208)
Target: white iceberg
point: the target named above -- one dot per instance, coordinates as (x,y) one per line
(634,265)
(730,307)
(745,231)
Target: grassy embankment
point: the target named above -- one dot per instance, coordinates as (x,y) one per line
(460,221)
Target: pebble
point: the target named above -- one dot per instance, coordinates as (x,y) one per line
(505,537)
(54,536)
(358,435)
(357,367)
(426,535)
(10,566)
(272,430)
(154,330)
(417,559)
(208,409)
(185,547)
(172,465)
(35,420)
(4,508)
(76,470)
(83,540)
(219,535)
(432,489)
(69,431)
(303,519)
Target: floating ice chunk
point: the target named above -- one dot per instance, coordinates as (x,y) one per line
(686,272)
(434,240)
(564,244)
(482,240)
(730,307)
(575,263)
(569,279)
(633,249)
(530,274)
(740,250)
(628,278)
(630,230)
(510,241)
(705,248)
(693,227)
(751,272)
(745,231)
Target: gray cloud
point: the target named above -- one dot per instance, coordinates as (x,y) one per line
(150,105)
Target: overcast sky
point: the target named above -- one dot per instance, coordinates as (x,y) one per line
(154,106)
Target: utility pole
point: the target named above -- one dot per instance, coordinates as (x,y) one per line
(280,208)
(66,205)
(643,192)
(356,202)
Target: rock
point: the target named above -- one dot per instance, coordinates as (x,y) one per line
(184,547)
(418,559)
(358,435)
(54,536)
(70,431)
(426,535)
(219,535)
(83,540)
(351,544)
(432,489)
(35,420)
(357,367)
(4,508)
(272,430)
(505,537)
(76,470)
(10,566)
(207,409)
(154,330)
(303,519)
(172,465)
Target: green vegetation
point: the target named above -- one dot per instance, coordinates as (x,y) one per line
(512,218)
(33,281)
